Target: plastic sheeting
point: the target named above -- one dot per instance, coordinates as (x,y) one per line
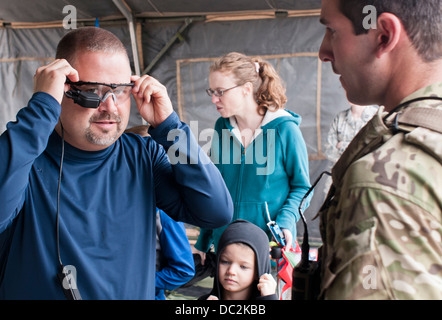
(51,10)
(291,44)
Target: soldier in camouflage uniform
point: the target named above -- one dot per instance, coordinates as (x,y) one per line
(381,223)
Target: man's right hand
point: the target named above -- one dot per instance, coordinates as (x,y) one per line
(51,78)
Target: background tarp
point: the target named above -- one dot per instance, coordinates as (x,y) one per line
(286,33)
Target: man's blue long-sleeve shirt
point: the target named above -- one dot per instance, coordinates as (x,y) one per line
(108,201)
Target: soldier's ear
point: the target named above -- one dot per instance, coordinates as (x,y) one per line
(389,32)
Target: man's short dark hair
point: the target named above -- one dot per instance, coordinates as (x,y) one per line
(422,20)
(86,39)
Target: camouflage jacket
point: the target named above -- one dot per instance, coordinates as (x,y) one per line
(343,129)
(381,224)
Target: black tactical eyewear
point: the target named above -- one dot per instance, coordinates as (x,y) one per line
(91,94)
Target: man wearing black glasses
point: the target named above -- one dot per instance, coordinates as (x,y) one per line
(78,197)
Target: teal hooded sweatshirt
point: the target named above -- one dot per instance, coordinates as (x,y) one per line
(274,168)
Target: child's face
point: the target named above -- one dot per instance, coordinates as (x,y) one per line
(236,270)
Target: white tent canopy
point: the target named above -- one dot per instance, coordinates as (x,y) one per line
(176,41)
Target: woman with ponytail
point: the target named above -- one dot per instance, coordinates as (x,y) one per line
(257,146)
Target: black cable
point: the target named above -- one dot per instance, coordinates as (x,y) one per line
(58,196)
(67,280)
(305,247)
(409,102)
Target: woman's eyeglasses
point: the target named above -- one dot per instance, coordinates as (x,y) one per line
(219,92)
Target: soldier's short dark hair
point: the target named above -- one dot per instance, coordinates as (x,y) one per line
(86,39)
(422,21)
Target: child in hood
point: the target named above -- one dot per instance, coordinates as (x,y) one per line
(243,265)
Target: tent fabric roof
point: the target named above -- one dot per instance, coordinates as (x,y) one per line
(29,11)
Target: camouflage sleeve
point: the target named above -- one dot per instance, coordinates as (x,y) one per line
(331,150)
(385,247)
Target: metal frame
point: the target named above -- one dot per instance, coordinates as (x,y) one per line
(127,12)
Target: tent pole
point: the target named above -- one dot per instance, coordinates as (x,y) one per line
(127,12)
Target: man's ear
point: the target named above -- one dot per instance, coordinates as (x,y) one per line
(388,33)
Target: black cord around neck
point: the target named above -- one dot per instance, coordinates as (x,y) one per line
(406,103)
(58,197)
(65,276)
